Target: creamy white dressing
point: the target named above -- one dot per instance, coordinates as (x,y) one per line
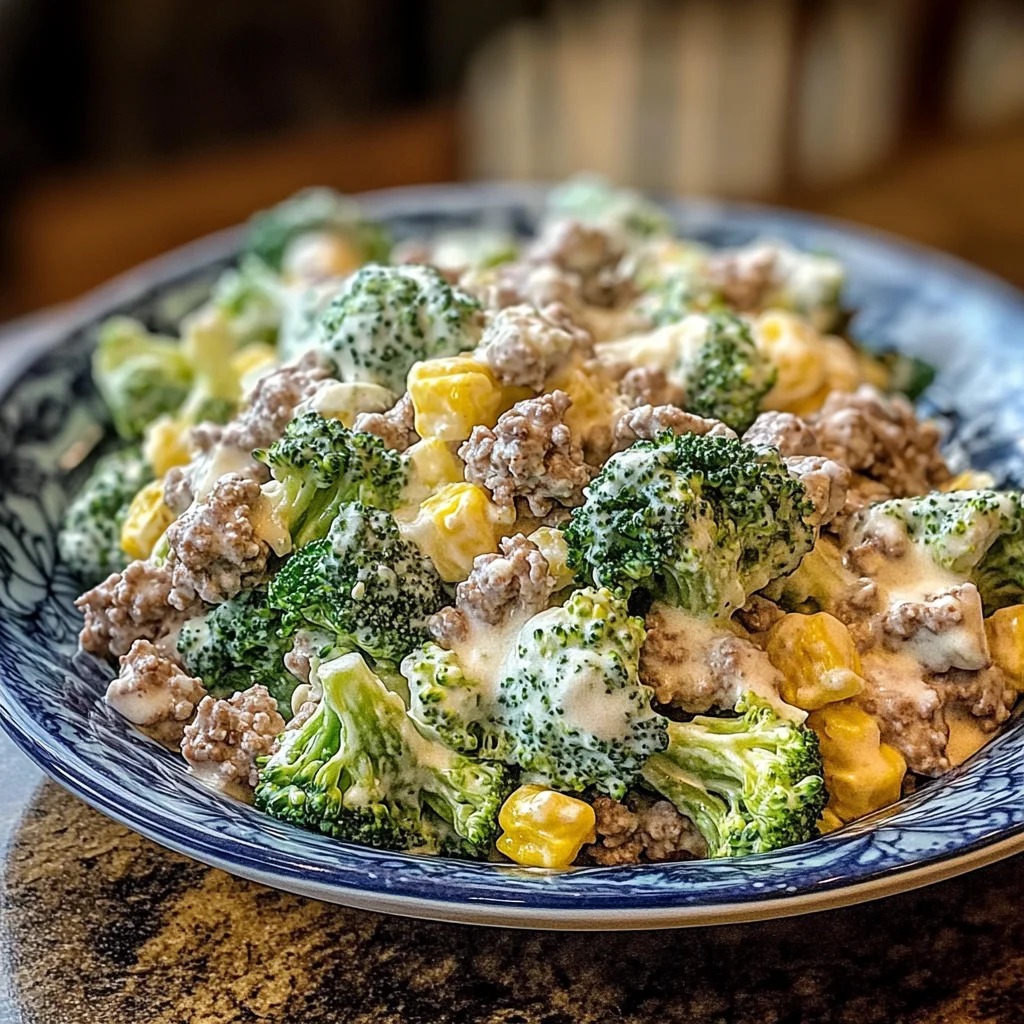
(344,401)
(754,672)
(667,348)
(224,459)
(141,707)
(486,652)
(587,702)
(899,674)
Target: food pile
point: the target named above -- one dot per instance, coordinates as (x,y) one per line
(595,548)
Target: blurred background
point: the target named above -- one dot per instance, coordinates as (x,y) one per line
(130,126)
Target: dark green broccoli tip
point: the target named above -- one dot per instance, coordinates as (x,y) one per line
(319,464)
(140,376)
(363,583)
(750,783)
(239,644)
(359,770)
(907,374)
(388,318)
(729,375)
(90,536)
(314,209)
(699,522)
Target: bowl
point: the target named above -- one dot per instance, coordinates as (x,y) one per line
(919,302)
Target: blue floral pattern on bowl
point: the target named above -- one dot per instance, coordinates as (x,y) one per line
(970,325)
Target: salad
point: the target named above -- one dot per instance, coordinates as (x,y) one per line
(598,547)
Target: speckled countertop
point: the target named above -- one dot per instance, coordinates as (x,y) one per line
(99,926)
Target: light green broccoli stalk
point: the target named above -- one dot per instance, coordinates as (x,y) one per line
(700,522)
(359,770)
(387,318)
(591,199)
(363,584)
(238,644)
(975,535)
(139,375)
(318,465)
(568,707)
(750,783)
(314,210)
(90,536)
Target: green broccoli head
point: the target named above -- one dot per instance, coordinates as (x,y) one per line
(238,644)
(387,318)
(363,584)
(90,534)
(251,298)
(977,535)
(727,376)
(318,465)
(750,783)
(139,375)
(676,295)
(314,210)
(568,706)
(591,199)
(359,770)
(701,522)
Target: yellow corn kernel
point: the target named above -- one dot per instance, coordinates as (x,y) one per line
(551,543)
(594,397)
(451,396)
(1005,632)
(319,256)
(165,445)
(794,347)
(970,480)
(453,526)
(829,822)
(253,361)
(148,517)
(544,829)
(817,658)
(861,772)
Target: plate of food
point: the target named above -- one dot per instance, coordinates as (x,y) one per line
(531,557)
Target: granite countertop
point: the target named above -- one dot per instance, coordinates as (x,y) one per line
(100,926)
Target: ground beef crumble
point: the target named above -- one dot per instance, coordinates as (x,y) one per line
(530,454)
(515,583)
(645,831)
(523,346)
(226,736)
(646,422)
(131,605)
(396,427)
(150,689)
(215,551)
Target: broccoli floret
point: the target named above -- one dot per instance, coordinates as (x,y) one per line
(139,375)
(363,583)
(593,200)
(251,299)
(728,375)
(750,783)
(568,706)
(387,318)
(314,209)
(318,465)
(700,522)
(977,535)
(238,644)
(476,248)
(360,770)
(676,295)
(90,535)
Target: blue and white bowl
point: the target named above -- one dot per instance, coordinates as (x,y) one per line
(970,325)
